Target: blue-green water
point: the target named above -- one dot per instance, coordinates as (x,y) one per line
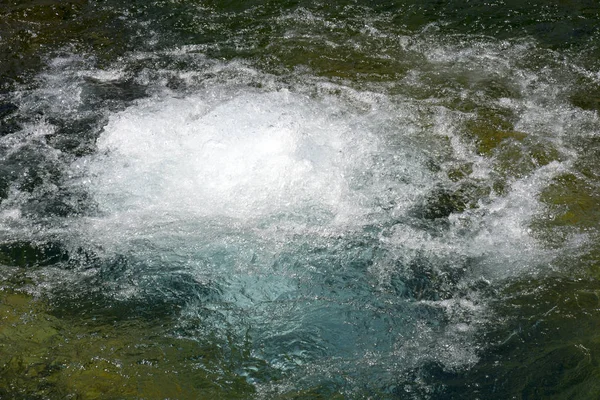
(299,200)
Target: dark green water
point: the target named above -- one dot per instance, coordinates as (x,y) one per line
(309,200)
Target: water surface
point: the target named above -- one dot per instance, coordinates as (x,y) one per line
(204,199)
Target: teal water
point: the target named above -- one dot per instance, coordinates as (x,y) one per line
(299,199)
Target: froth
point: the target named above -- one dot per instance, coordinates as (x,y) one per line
(240,155)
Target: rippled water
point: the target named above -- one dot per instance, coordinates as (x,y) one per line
(299,200)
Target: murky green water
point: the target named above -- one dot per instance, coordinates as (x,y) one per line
(204,199)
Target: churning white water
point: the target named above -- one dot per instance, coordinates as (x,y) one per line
(291,221)
(244,156)
(283,199)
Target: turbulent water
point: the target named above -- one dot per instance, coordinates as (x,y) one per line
(204,199)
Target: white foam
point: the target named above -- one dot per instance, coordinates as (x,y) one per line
(242,189)
(243,155)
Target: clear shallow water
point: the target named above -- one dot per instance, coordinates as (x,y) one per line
(299,200)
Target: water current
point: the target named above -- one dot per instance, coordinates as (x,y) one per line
(289,199)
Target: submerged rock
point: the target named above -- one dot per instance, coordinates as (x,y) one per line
(44,356)
(546,346)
